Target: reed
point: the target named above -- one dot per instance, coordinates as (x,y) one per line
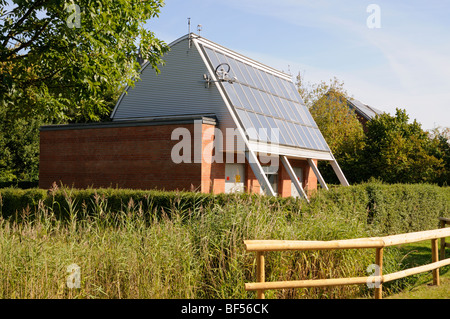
(178,250)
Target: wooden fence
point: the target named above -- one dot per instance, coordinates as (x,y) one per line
(261,246)
(442,222)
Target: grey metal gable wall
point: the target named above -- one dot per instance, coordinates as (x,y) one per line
(178,90)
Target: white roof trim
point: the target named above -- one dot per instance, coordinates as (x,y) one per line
(293,152)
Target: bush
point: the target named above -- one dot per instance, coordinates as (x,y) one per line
(401,208)
(383,208)
(15,201)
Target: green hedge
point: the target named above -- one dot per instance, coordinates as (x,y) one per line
(16,200)
(388,208)
(382,208)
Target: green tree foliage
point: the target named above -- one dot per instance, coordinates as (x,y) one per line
(69,61)
(441,150)
(19,145)
(392,149)
(398,151)
(63,61)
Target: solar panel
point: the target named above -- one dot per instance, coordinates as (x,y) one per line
(264,101)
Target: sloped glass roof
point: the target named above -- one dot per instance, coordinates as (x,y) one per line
(264,101)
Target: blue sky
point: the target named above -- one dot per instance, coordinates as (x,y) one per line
(405,63)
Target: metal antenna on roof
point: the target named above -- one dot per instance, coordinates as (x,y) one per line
(199,29)
(222,75)
(189,32)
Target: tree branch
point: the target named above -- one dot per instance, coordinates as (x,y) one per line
(26,44)
(21,20)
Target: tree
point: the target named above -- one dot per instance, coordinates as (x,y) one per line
(19,144)
(340,127)
(392,149)
(63,61)
(397,151)
(68,61)
(441,150)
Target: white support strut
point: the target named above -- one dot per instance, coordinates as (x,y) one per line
(293,177)
(316,171)
(259,173)
(339,172)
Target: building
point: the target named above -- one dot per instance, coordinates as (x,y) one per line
(213,120)
(364,112)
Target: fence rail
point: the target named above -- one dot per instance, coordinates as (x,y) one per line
(379,243)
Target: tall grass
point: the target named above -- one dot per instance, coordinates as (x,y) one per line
(193,251)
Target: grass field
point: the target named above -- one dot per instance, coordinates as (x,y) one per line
(420,254)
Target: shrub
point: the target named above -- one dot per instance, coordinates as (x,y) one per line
(383,208)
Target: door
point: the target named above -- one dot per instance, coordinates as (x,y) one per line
(234,177)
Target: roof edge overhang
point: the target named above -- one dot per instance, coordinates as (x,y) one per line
(292,152)
(358,110)
(161,120)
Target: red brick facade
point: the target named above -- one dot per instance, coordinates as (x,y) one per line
(284,181)
(139,157)
(127,157)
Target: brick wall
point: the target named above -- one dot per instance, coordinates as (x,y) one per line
(309,178)
(127,157)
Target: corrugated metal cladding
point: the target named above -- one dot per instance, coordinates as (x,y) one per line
(179,89)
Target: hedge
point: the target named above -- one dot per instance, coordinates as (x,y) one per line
(382,208)
(388,208)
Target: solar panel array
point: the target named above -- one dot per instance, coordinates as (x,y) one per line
(269,107)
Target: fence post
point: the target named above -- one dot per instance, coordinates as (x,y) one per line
(260,275)
(442,225)
(379,262)
(435,258)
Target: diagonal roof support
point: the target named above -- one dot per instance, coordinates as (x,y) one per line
(338,172)
(293,177)
(316,171)
(259,173)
